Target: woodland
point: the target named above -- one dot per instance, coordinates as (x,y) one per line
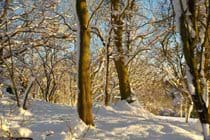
(82,53)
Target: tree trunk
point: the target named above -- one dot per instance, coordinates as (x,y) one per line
(124,84)
(27,91)
(84,83)
(194,35)
(189,108)
(107,95)
(181,108)
(119,59)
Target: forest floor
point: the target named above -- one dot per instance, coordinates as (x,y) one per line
(122,121)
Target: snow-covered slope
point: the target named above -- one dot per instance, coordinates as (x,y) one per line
(44,121)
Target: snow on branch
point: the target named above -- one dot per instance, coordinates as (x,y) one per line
(179,6)
(190,78)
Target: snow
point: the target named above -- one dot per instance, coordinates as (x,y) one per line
(120,121)
(178,12)
(25,132)
(24,112)
(190,81)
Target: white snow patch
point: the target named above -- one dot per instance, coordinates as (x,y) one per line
(116,122)
(25,112)
(191,87)
(134,108)
(178,11)
(24,132)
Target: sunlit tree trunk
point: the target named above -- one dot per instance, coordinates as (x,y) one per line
(119,59)
(189,108)
(84,83)
(194,35)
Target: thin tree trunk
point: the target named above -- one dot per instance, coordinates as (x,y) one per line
(11,73)
(107,95)
(189,108)
(27,91)
(181,108)
(84,82)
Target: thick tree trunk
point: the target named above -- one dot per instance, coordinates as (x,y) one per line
(119,60)
(194,35)
(84,83)
(124,84)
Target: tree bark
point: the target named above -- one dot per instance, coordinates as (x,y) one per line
(84,82)
(119,59)
(194,35)
(107,95)
(27,91)
(189,108)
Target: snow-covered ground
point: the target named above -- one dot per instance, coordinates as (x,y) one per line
(44,121)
